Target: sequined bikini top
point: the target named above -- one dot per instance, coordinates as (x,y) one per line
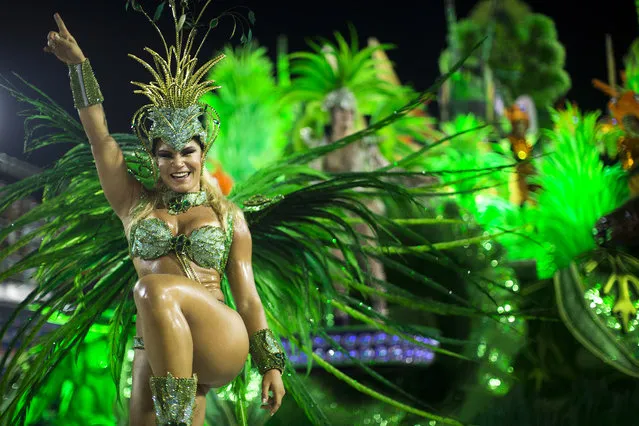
(207,246)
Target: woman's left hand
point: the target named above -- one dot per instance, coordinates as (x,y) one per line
(272,390)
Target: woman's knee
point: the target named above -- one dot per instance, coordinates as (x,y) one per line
(151,291)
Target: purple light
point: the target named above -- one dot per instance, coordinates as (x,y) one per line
(368,354)
(350,340)
(364,339)
(396,353)
(368,347)
(381,354)
(319,342)
(380,338)
(432,342)
(294,358)
(336,356)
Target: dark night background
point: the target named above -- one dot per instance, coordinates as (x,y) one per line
(106,33)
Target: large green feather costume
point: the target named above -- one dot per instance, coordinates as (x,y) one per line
(296,216)
(85,274)
(85,271)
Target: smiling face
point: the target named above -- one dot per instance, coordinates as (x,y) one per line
(180,170)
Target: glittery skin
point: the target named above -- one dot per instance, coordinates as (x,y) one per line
(84,86)
(177,202)
(173,399)
(266,352)
(176,126)
(207,246)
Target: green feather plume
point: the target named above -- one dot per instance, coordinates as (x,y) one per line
(349,66)
(255,119)
(577,189)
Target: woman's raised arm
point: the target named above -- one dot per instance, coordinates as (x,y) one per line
(120,188)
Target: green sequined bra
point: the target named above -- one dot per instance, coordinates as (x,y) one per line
(207,246)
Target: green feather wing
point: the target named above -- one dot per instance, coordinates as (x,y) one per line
(84,273)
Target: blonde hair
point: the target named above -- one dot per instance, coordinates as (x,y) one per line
(150,200)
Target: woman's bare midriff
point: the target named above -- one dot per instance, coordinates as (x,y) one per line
(194,218)
(169,264)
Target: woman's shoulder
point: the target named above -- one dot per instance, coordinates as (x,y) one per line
(235,215)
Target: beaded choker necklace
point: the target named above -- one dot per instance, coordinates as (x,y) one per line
(179,202)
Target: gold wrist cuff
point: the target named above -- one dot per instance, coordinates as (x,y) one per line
(266,351)
(84,86)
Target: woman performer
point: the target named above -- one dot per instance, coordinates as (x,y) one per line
(183,237)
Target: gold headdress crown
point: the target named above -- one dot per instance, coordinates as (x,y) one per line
(175,113)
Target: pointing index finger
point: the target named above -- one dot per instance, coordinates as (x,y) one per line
(63,28)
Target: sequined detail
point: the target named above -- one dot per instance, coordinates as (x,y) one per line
(173,399)
(258,205)
(142,165)
(266,351)
(84,86)
(207,246)
(176,126)
(230,227)
(138,343)
(259,202)
(180,202)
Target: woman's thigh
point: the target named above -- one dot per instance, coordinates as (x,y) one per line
(220,340)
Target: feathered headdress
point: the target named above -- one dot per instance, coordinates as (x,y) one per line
(339,74)
(175,114)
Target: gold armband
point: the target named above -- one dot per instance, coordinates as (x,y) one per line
(84,86)
(266,352)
